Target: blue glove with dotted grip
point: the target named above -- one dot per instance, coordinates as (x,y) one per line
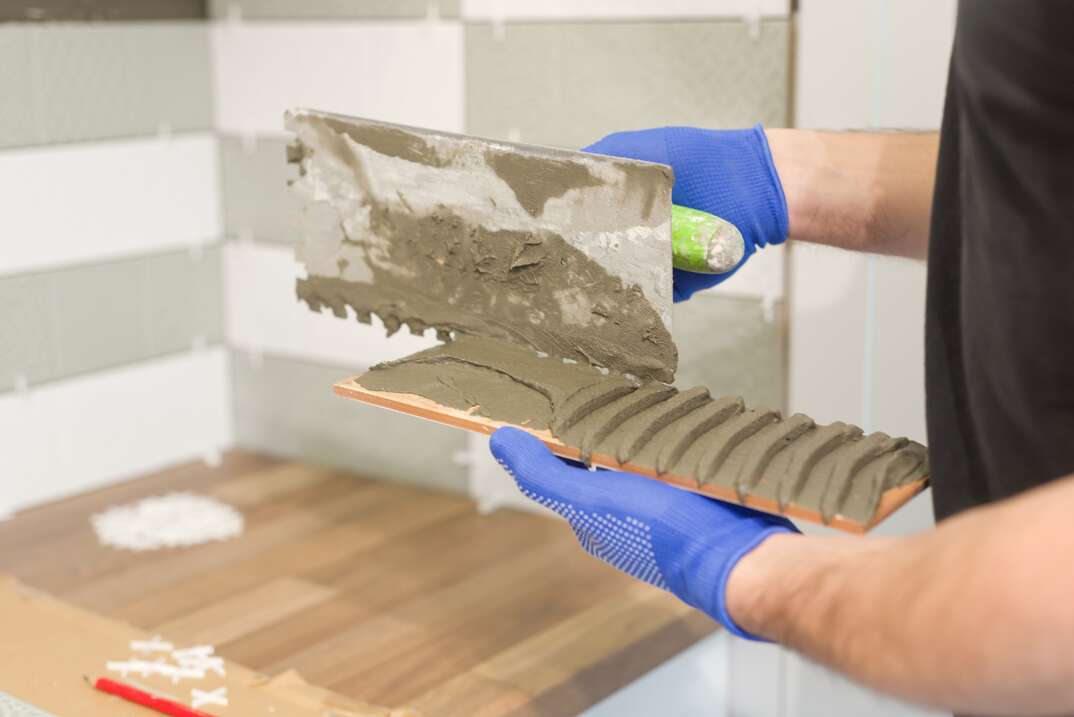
(682,542)
(729,173)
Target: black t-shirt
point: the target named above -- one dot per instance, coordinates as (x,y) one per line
(1000,317)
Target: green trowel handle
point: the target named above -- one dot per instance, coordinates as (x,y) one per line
(704,243)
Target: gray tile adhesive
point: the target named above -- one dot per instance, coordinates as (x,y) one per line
(547,275)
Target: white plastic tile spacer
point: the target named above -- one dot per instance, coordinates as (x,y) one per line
(487,505)
(153,644)
(752,17)
(768,307)
(208,663)
(193,651)
(499,25)
(200,698)
(233,14)
(256,358)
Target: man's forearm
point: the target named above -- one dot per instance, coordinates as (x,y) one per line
(858,190)
(977,615)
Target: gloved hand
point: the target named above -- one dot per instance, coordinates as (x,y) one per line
(682,542)
(729,173)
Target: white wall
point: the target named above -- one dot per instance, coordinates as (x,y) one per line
(92,201)
(79,433)
(500,10)
(405,72)
(857,322)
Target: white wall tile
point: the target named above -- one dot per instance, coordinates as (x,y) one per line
(87,202)
(856,344)
(834,64)
(489,484)
(912,77)
(815,691)
(898,375)
(755,672)
(500,10)
(827,333)
(264,316)
(407,72)
(873,64)
(856,349)
(760,278)
(80,433)
(694,682)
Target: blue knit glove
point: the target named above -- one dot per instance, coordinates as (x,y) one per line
(729,173)
(682,542)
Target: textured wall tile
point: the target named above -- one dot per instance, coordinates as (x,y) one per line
(726,344)
(27,343)
(287,407)
(569,84)
(50,10)
(181,300)
(93,81)
(98,321)
(257,203)
(16,85)
(284,9)
(89,317)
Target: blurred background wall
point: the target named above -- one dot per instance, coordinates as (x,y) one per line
(112,342)
(147,313)
(558,74)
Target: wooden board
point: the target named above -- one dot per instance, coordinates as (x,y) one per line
(430,410)
(382,592)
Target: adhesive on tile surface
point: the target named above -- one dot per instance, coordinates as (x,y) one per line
(754,453)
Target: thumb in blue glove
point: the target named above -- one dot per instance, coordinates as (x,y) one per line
(729,173)
(679,541)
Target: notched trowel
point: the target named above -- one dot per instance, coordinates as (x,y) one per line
(548,275)
(423,217)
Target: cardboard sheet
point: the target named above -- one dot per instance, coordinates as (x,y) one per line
(49,650)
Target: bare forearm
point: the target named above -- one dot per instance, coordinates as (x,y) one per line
(856,190)
(977,615)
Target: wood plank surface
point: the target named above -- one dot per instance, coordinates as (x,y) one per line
(383,592)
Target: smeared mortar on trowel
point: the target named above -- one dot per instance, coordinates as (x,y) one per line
(548,275)
(562,252)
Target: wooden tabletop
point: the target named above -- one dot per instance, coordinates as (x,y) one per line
(380,591)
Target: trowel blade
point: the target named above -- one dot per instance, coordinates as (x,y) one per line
(566,251)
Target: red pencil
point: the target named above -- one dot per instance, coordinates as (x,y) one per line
(160,704)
